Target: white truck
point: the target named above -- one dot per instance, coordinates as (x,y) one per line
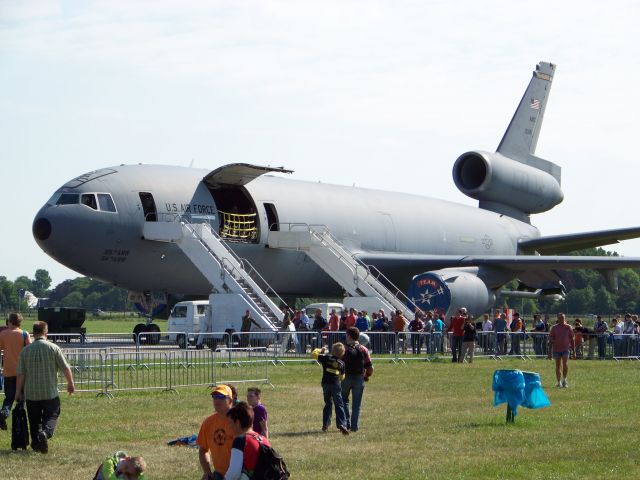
(221,314)
(325,308)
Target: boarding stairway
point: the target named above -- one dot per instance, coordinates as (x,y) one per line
(226,272)
(357,278)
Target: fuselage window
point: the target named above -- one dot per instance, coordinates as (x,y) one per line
(68,199)
(106,202)
(89,199)
(54,199)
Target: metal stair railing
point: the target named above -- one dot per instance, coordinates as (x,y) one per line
(236,273)
(248,267)
(324,235)
(389,285)
(389,289)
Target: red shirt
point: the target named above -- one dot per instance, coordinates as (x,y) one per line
(249,445)
(350,321)
(457,326)
(560,336)
(334,322)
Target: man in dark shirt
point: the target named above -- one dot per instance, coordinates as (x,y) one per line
(319,324)
(358,369)
(247,320)
(500,327)
(332,373)
(415,327)
(468,340)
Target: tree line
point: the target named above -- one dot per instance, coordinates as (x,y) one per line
(80,292)
(587,292)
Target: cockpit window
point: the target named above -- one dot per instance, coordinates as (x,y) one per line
(89,199)
(106,202)
(68,199)
(95,201)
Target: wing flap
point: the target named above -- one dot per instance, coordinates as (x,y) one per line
(516,263)
(554,244)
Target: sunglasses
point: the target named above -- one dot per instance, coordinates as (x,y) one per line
(219,395)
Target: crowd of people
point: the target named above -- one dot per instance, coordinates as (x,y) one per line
(462,335)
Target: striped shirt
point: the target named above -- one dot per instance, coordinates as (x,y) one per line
(40,363)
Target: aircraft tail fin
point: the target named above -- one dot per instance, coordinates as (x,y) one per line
(521,137)
(513,181)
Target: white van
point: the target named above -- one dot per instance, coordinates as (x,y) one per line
(224,312)
(325,308)
(368,304)
(186,317)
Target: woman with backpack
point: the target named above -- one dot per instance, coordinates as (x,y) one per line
(251,453)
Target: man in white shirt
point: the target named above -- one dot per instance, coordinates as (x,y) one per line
(618,337)
(487,333)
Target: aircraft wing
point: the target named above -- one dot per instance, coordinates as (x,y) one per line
(238,174)
(516,263)
(554,244)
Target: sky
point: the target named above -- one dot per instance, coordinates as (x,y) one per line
(380,94)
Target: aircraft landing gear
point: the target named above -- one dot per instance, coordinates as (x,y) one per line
(137,330)
(147,334)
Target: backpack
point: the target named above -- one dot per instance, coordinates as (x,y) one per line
(270,465)
(19,428)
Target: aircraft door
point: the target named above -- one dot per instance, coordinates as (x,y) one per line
(148,207)
(272,217)
(269,220)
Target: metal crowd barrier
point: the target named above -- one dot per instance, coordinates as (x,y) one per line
(104,363)
(625,346)
(104,371)
(297,345)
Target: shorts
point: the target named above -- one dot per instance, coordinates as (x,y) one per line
(561,354)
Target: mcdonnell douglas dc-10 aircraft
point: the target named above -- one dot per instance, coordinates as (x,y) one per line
(98,224)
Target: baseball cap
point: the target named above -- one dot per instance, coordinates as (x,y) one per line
(463,310)
(221,391)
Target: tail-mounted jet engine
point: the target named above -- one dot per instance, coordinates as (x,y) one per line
(498,181)
(447,290)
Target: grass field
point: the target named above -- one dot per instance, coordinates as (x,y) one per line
(419,420)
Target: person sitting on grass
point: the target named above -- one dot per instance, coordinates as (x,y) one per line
(121,466)
(332,374)
(245,449)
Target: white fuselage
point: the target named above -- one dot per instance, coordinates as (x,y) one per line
(109,245)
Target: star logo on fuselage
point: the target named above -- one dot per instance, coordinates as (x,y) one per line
(487,241)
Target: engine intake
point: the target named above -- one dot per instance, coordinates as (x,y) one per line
(498,182)
(447,290)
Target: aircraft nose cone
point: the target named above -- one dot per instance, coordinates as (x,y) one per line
(41,229)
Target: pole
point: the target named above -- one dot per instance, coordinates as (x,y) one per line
(510,416)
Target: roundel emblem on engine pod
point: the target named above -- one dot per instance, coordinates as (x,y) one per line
(429,292)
